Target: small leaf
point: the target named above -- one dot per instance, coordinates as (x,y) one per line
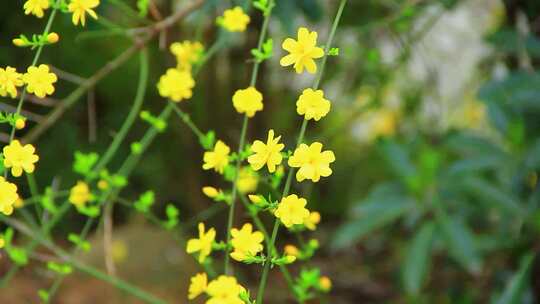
(418,259)
(513,292)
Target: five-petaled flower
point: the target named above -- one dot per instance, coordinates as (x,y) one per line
(224,290)
(248,101)
(268,154)
(217,159)
(19,158)
(292,210)
(80,8)
(39,81)
(198,285)
(80,194)
(203,244)
(234,20)
(246,242)
(312,104)
(8,196)
(9,81)
(312,161)
(36,7)
(302,51)
(176,85)
(187,53)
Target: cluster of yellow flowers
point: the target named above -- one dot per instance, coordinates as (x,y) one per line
(38,80)
(79,9)
(223,290)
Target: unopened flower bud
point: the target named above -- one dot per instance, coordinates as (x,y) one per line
(53,37)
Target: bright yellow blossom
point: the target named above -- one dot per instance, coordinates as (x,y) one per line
(313,163)
(39,81)
(312,104)
(203,244)
(53,37)
(198,285)
(254,198)
(9,81)
(20,123)
(325,283)
(302,51)
(187,53)
(292,210)
(80,194)
(8,196)
(217,159)
(211,192)
(291,250)
(224,290)
(312,220)
(80,8)
(268,154)
(246,242)
(19,158)
(247,180)
(36,7)
(176,85)
(248,101)
(234,20)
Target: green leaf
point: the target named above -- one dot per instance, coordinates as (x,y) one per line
(513,292)
(418,259)
(142,5)
(399,161)
(492,195)
(371,215)
(84,162)
(460,241)
(145,201)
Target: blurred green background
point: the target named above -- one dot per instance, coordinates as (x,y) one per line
(435,126)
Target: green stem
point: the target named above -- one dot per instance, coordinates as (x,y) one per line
(130,119)
(252,83)
(187,120)
(288,183)
(34,192)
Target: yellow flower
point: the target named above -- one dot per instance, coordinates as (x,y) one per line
(80,8)
(187,53)
(224,290)
(291,250)
(39,81)
(80,194)
(246,242)
(53,37)
(203,244)
(176,85)
(292,210)
(211,192)
(302,51)
(36,7)
(198,285)
(8,196)
(312,220)
(9,81)
(20,123)
(234,20)
(247,180)
(312,104)
(254,198)
(248,101)
(217,159)
(19,158)
(325,283)
(312,162)
(268,154)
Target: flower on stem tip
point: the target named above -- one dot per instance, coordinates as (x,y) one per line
(234,20)
(292,210)
(246,242)
(39,81)
(203,244)
(302,51)
(9,81)
(312,104)
(80,8)
(19,158)
(80,194)
(176,85)
(217,159)
(248,101)
(187,53)
(312,161)
(224,290)
(198,285)
(8,196)
(268,154)
(36,7)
